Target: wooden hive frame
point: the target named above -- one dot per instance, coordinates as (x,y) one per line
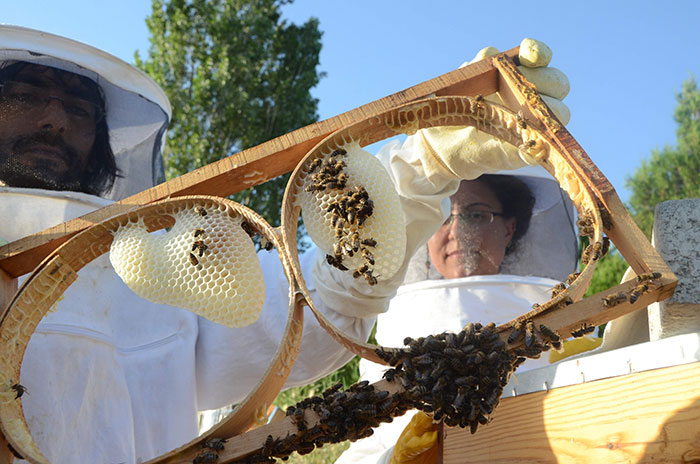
(254,166)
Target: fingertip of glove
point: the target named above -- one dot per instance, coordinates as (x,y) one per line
(534,53)
(483,53)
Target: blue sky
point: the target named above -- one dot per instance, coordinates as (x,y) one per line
(625,60)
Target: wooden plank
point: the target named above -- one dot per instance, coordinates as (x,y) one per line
(252,166)
(652,416)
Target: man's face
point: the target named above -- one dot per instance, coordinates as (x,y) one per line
(45,138)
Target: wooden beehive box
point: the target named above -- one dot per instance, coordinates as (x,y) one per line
(637,404)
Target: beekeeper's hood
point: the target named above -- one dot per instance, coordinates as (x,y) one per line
(548,249)
(137,109)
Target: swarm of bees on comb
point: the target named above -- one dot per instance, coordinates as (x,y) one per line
(335,199)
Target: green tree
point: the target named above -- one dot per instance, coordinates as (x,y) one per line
(672,172)
(236,76)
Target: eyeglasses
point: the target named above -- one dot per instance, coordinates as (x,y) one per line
(23,96)
(473,218)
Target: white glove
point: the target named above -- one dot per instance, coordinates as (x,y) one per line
(467,153)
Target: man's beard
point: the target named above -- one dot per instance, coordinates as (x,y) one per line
(42,173)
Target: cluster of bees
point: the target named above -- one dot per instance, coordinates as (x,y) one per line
(198,246)
(458,378)
(348,213)
(327,173)
(343,415)
(535,339)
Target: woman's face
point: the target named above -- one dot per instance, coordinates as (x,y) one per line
(469,242)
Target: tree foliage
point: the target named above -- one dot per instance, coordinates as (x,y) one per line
(236,76)
(672,172)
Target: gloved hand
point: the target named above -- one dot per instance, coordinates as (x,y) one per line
(467,153)
(417,444)
(551,83)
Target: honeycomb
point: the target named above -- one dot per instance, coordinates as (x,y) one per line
(385,226)
(206,263)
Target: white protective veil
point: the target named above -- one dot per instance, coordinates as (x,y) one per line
(137,109)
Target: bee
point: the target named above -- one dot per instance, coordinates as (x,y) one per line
(201,246)
(350,216)
(606,246)
(198,232)
(269,446)
(614,299)
(549,334)
(206,457)
(522,123)
(193,259)
(19,390)
(367,256)
(341,181)
(585,329)
(335,262)
(299,419)
(314,188)
(214,443)
(584,220)
(315,164)
(201,211)
(390,375)
(558,288)
(366,411)
(248,228)
(570,279)
(361,271)
(592,253)
(369,242)
(347,247)
(354,239)
(516,333)
(339,152)
(648,276)
(333,208)
(371,280)
(266,244)
(530,337)
(638,291)
(478,101)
